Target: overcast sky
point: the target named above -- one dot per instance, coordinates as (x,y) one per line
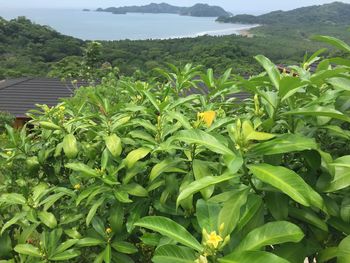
(235,6)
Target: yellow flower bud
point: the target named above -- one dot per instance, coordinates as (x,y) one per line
(109,230)
(201,259)
(77,186)
(221,228)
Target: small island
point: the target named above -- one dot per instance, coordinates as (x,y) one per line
(198,10)
(86,10)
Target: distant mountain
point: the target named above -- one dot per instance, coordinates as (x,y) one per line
(334,13)
(199,10)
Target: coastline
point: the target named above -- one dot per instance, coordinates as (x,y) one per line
(246,33)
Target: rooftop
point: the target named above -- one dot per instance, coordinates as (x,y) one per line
(18,96)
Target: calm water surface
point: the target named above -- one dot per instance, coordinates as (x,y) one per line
(107,26)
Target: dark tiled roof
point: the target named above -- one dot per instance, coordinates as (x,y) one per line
(18,96)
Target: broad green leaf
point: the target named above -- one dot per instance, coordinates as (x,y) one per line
(82,168)
(202,138)
(288,182)
(135,156)
(180,118)
(319,111)
(252,257)
(124,247)
(65,245)
(200,184)
(135,190)
(27,249)
(108,254)
(174,254)
(308,216)
(12,221)
(253,205)
(340,83)
(277,204)
(339,224)
(39,191)
(163,167)
(93,210)
(288,86)
(116,217)
(333,42)
(114,144)
(49,125)
(231,212)
(201,169)
(327,254)
(341,178)
(292,252)
(272,233)
(152,99)
(169,228)
(344,251)
(47,219)
(182,101)
(90,242)
(67,254)
(207,215)
(284,144)
(12,199)
(345,210)
(270,69)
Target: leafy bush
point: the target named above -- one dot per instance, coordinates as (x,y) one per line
(5,119)
(151,174)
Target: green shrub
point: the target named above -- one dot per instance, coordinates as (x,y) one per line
(150,174)
(5,119)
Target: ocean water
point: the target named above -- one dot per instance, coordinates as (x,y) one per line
(106,26)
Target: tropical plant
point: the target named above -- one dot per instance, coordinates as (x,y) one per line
(146,175)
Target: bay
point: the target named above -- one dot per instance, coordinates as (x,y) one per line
(134,26)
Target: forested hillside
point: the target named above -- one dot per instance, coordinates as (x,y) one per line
(336,13)
(28,49)
(199,10)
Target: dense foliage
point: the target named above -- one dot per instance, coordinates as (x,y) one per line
(132,171)
(27,49)
(336,13)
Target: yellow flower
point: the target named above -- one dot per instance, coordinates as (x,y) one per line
(109,230)
(207,117)
(201,259)
(214,239)
(77,186)
(62,108)
(8,153)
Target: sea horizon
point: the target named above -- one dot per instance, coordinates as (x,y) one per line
(92,25)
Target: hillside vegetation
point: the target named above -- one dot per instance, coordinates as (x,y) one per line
(336,13)
(28,49)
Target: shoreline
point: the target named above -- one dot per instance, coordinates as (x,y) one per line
(246,33)
(243,31)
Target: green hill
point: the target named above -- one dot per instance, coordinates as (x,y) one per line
(335,13)
(198,10)
(27,49)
